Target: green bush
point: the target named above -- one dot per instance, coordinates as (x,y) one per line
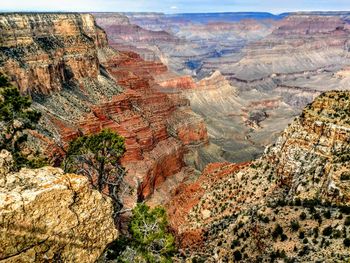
(347,221)
(238,255)
(345,176)
(346,242)
(327,231)
(284,237)
(235,243)
(278,231)
(149,240)
(302,216)
(97,156)
(294,225)
(327,214)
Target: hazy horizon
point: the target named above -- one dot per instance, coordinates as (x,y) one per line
(175,6)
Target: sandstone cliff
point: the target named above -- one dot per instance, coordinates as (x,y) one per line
(46,215)
(41,52)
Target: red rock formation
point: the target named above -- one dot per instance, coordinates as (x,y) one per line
(145,114)
(189,127)
(186,196)
(180,82)
(141,115)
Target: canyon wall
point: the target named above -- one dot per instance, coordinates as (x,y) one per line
(46,215)
(41,52)
(82,85)
(281,62)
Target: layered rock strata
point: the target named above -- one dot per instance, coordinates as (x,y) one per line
(291,59)
(81,85)
(41,52)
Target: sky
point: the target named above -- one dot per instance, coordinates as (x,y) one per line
(175,6)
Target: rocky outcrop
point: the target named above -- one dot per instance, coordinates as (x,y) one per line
(46,215)
(312,154)
(185,82)
(291,203)
(188,127)
(6,163)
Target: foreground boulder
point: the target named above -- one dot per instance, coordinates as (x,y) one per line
(46,215)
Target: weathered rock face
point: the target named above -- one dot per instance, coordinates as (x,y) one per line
(46,215)
(293,200)
(153,117)
(41,52)
(188,127)
(313,152)
(6,163)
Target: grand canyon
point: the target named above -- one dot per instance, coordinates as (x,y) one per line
(238,124)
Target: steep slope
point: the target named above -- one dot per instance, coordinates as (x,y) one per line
(292,203)
(81,85)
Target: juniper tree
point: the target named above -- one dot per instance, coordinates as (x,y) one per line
(97,156)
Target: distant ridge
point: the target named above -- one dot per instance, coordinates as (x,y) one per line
(210,17)
(226,17)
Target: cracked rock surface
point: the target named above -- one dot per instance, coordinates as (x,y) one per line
(46,215)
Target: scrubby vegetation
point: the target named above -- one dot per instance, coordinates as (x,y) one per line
(16,119)
(148,240)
